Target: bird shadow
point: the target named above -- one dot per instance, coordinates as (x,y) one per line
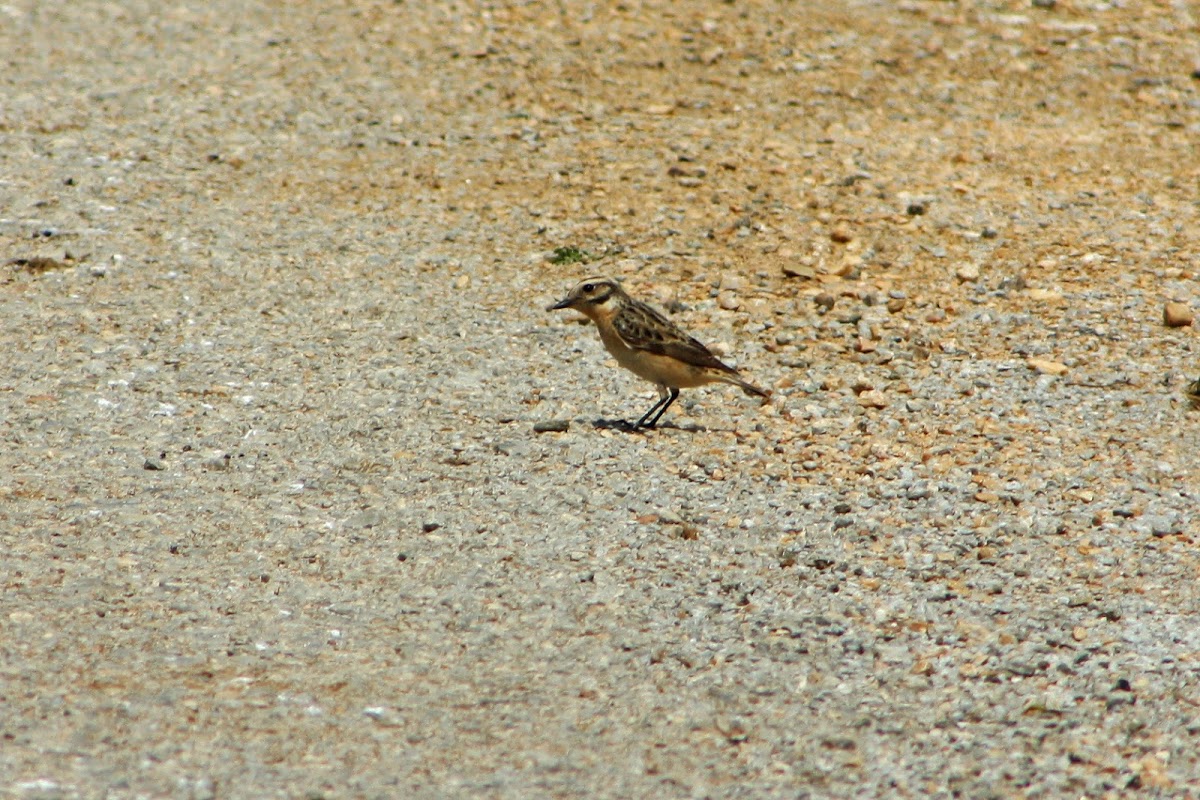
(617,425)
(628,427)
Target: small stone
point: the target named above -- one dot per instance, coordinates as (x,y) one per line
(1022,667)
(896,305)
(1047,367)
(37,264)
(384,716)
(367,518)
(825,301)
(799,271)
(1177,315)
(729,301)
(154,464)
(218,462)
(968,273)
(552,426)
(732,283)
(873,399)
(462,281)
(1044,296)
(841,233)
(919,491)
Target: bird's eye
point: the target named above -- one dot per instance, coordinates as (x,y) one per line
(587,287)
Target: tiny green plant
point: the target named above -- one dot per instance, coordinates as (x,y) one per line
(570,255)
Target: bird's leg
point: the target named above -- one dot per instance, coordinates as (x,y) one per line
(670,399)
(661,406)
(662,398)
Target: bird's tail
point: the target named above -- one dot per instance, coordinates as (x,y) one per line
(748,388)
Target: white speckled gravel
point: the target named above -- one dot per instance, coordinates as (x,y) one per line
(275,517)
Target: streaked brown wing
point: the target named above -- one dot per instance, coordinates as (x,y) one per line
(643,328)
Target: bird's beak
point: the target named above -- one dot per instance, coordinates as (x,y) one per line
(564,303)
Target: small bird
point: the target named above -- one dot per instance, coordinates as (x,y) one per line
(648,344)
(1192,392)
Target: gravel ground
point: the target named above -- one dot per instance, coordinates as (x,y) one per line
(274,517)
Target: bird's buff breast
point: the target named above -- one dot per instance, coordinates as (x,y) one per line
(661,370)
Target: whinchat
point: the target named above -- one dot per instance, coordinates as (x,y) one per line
(648,344)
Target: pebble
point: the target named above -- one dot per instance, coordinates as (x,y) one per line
(1177,315)
(37,264)
(552,426)
(385,716)
(154,464)
(920,491)
(368,518)
(1079,599)
(873,399)
(968,273)
(218,462)
(1044,295)
(841,233)
(1047,367)
(729,301)
(799,271)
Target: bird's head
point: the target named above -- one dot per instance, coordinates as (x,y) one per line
(591,295)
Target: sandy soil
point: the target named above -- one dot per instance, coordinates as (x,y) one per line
(274,517)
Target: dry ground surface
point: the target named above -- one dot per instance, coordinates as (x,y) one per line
(274,519)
